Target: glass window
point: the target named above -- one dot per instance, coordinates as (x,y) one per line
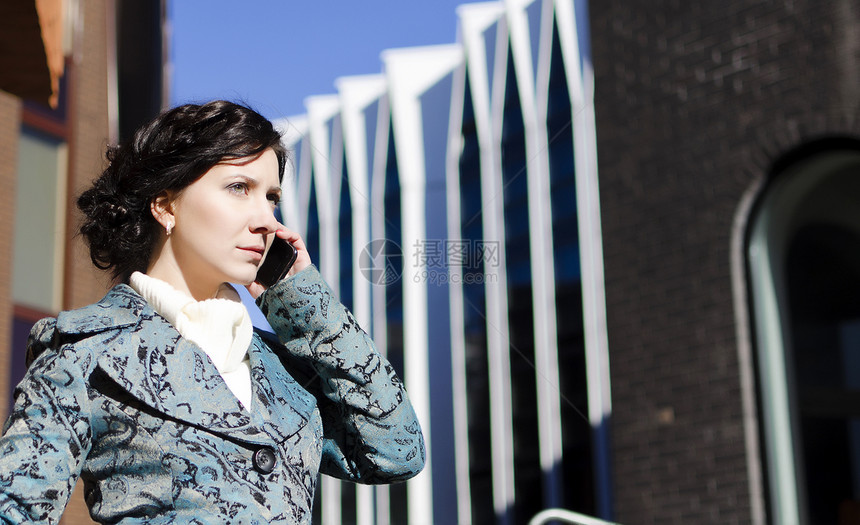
(474,311)
(345,294)
(394,299)
(490,35)
(823,274)
(39,243)
(312,236)
(533,13)
(345,240)
(577,471)
(393,287)
(527,470)
(370,114)
(804,267)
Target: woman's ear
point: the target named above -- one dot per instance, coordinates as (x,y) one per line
(161,207)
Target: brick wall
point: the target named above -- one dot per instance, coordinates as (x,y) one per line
(694,100)
(89,138)
(10,116)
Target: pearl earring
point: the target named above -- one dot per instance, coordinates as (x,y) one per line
(169,228)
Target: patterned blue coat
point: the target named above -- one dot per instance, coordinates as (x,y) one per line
(115,396)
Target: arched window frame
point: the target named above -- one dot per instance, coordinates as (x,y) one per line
(770,229)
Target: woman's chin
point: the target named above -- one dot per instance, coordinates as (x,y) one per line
(243,278)
(245,281)
(248,275)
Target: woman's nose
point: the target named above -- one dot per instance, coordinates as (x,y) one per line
(264,221)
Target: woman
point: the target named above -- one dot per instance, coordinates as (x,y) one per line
(161,397)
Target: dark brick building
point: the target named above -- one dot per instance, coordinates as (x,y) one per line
(728,157)
(74,76)
(728,130)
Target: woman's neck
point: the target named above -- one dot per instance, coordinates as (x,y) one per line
(164,266)
(197,288)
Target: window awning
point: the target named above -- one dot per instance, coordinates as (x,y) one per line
(31,49)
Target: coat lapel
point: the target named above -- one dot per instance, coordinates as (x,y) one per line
(280,403)
(150,360)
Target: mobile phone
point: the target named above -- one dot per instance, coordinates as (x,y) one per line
(278,261)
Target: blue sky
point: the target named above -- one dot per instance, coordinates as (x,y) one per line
(272,54)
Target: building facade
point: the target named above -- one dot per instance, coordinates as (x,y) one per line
(66,93)
(592,216)
(611,248)
(727,156)
(453,201)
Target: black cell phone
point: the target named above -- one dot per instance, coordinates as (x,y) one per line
(278,261)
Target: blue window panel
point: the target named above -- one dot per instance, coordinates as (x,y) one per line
(435,120)
(295,161)
(370,124)
(528,477)
(394,299)
(435,116)
(348,509)
(533,13)
(474,319)
(329,128)
(345,240)
(490,36)
(583,32)
(393,236)
(371,119)
(577,451)
(312,236)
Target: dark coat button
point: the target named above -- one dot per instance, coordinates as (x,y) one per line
(264,460)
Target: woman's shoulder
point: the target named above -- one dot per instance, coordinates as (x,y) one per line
(119,308)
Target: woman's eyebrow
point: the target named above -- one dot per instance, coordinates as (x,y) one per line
(246,178)
(251,181)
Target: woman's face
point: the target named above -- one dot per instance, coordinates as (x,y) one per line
(224,221)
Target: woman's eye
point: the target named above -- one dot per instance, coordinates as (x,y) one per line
(274,198)
(238,187)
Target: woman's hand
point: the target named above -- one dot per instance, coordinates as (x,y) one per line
(303,258)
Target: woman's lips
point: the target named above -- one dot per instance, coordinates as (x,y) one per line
(257,252)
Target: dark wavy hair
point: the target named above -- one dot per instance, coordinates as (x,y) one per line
(169,153)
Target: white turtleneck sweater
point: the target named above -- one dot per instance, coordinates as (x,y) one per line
(221,327)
